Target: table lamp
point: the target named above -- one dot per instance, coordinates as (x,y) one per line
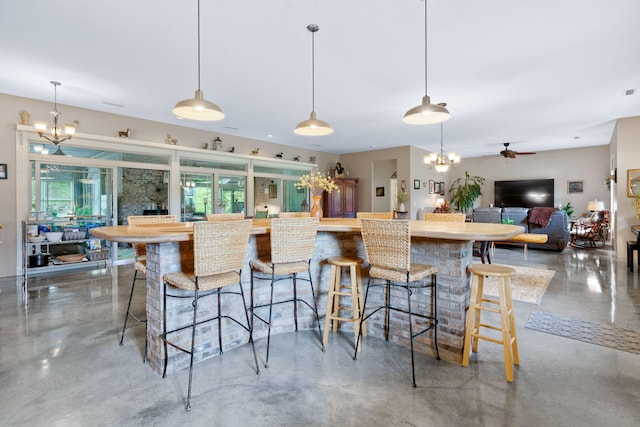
(595,206)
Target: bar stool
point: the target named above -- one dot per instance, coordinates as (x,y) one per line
(219,250)
(140,266)
(388,247)
(632,246)
(292,244)
(478,303)
(337,290)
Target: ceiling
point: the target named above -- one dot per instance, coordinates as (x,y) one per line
(542,75)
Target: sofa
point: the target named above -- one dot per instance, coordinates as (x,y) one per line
(557,229)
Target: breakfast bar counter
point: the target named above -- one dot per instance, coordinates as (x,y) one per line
(443,244)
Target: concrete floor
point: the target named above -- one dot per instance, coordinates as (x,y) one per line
(60,365)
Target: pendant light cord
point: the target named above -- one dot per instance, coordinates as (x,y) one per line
(313,69)
(199,44)
(426,92)
(441,141)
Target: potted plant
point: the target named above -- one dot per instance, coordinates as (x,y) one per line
(568,209)
(403,196)
(465,190)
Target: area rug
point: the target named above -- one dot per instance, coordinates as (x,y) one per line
(528,285)
(589,332)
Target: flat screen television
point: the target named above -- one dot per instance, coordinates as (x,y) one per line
(524,193)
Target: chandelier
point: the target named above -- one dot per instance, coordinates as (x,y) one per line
(57,135)
(439,161)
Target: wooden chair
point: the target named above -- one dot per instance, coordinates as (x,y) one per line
(292,244)
(140,266)
(294,215)
(378,215)
(219,250)
(225,216)
(587,234)
(387,245)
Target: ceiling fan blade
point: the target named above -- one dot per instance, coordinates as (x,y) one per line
(524,153)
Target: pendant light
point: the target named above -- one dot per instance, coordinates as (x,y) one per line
(426,113)
(198,108)
(313,126)
(57,135)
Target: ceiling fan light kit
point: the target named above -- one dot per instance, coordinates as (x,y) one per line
(198,108)
(426,113)
(313,126)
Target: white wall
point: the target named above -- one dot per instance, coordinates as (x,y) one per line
(590,165)
(626,154)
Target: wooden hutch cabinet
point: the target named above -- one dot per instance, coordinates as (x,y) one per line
(343,203)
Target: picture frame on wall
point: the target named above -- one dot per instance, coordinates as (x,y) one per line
(575,187)
(379,191)
(432,186)
(3,171)
(442,188)
(436,188)
(416,184)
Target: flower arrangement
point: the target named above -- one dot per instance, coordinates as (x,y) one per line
(317,183)
(403,196)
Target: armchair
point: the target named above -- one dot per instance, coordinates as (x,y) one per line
(586,234)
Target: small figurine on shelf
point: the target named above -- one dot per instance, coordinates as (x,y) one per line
(24,117)
(339,170)
(255,152)
(217,144)
(124,133)
(296,158)
(171,140)
(231,150)
(280,155)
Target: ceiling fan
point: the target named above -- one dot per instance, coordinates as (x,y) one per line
(510,154)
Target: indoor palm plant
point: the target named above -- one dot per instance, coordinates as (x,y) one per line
(465,190)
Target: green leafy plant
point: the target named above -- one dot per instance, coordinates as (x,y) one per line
(568,209)
(403,196)
(465,190)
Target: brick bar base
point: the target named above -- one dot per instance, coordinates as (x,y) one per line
(451,257)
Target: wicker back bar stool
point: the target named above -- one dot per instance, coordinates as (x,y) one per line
(219,250)
(292,244)
(294,215)
(387,245)
(225,216)
(140,266)
(378,215)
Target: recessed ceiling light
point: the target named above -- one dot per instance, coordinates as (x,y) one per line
(372,146)
(629,92)
(269,136)
(576,137)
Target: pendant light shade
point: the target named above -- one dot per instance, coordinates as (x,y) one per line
(198,108)
(426,113)
(313,126)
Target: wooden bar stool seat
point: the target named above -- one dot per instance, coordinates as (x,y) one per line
(338,290)
(504,305)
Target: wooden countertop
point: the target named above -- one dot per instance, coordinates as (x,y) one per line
(181,231)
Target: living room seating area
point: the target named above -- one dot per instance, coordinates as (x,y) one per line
(550,221)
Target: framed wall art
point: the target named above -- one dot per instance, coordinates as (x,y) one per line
(575,187)
(432,186)
(416,184)
(3,171)
(442,188)
(379,191)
